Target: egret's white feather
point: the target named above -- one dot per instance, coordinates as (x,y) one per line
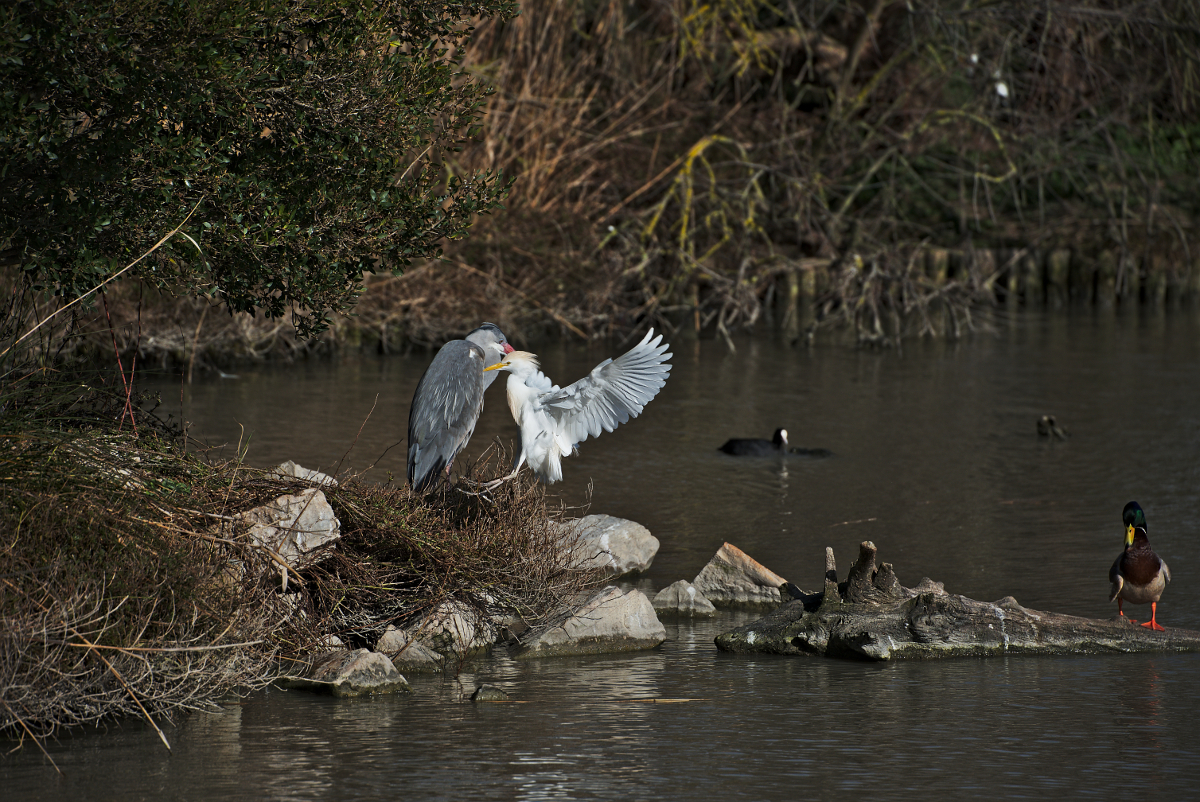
(554,420)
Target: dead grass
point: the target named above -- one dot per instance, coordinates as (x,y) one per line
(129,586)
(402,555)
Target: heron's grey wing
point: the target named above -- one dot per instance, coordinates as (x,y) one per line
(615,391)
(444,410)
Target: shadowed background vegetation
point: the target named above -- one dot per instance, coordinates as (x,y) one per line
(705,157)
(703,163)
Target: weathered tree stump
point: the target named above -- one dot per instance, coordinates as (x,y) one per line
(872,616)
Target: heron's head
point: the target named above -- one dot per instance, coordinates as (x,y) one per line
(780,438)
(519,363)
(491,340)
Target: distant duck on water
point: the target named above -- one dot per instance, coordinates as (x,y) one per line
(1139,576)
(1047,426)
(778,444)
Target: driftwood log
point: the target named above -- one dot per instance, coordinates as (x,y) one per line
(872,616)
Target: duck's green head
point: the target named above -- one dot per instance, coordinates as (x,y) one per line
(1134,518)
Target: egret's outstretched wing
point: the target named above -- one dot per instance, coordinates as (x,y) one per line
(615,391)
(445,408)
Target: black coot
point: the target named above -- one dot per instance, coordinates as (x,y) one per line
(757,447)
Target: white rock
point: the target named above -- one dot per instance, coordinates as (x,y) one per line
(683,598)
(350,673)
(616,545)
(733,578)
(291,470)
(611,620)
(292,526)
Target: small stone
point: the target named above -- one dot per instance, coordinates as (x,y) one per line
(489,693)
(293,526)
(733,578)
(455,627)
(408,655)
(350,673)
(682,598)
(290,470)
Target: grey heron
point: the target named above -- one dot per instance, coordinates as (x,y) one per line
(447,403)
(554,420)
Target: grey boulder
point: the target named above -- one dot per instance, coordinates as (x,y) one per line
(456,627)
(611,620)
(614,545)
(292,527)
(734,579)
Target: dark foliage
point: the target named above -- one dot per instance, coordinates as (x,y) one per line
(305,139)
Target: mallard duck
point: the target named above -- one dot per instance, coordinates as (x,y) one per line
(1139,575)
(1047,427)
(750,447)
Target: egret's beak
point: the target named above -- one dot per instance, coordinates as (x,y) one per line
(1129,535)
(499,365)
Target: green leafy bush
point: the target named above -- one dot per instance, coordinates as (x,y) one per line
(305,139)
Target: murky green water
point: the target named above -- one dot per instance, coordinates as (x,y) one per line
(936,461)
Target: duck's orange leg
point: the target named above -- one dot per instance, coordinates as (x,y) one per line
(1153,623)
(1121,611)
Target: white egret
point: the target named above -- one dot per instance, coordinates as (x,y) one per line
(555,420)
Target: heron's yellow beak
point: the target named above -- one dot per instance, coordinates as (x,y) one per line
(1129,535)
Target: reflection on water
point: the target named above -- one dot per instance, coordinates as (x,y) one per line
(935,459)
(728,728)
